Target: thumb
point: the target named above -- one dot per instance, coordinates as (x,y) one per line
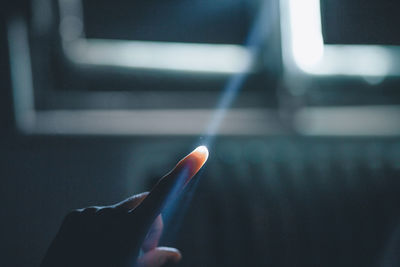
(159,256)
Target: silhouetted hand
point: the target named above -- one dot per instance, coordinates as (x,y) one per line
(115,235)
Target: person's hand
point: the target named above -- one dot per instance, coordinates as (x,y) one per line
(116,235)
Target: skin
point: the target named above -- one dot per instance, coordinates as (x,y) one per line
(114,235)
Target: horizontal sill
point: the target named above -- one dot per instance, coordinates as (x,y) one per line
(151,122)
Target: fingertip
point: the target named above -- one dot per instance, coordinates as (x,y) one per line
(202,153)
(171,254)
(193,161)
(173,182)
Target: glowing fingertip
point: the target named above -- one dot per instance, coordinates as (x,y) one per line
(203,150)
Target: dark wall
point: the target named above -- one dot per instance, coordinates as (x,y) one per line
(274,201)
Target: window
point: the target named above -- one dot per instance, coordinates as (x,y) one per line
(342,45)
(120,67)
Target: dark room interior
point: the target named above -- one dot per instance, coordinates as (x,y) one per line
(298,103)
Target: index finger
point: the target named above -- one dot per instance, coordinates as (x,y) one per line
(172,183)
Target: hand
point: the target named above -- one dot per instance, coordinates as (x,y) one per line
(114,235)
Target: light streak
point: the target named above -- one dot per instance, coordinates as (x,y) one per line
(175,211)
(235,83)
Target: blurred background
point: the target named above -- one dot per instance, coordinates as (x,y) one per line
(101,98)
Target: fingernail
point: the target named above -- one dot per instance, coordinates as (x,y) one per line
(194,161)
(198,156)
(202,153)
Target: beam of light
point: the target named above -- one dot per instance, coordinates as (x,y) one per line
(193,164)
(183,172)
(229,94)
(175,210)
(227,98)
(172,210)
(235,83)
(170,203)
